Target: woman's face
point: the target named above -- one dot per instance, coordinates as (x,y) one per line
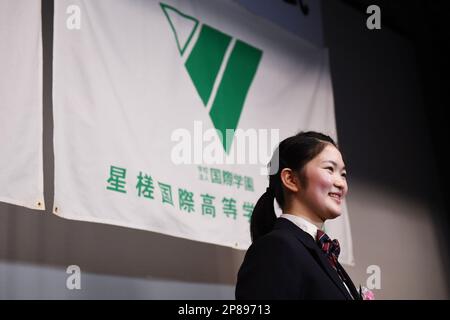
(326,184)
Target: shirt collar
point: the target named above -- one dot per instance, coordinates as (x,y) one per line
(302,223)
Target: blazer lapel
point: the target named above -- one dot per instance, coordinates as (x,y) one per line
(355,293)
(318,254)
(322,258)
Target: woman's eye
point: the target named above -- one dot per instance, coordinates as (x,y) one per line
(344,175)
(329,168)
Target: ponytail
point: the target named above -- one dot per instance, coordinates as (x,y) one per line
(263,216)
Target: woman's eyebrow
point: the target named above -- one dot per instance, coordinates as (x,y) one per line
(334,163)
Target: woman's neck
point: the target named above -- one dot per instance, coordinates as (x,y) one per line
(303,212)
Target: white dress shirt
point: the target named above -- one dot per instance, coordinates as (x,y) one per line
(302,223)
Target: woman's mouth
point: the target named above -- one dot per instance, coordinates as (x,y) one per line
(336,196)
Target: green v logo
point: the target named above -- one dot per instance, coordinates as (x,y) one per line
(222,68)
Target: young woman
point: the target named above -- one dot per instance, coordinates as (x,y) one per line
(291,257)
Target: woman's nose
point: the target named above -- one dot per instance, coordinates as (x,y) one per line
(340,182)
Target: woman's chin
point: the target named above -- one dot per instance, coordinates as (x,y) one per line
(334,214)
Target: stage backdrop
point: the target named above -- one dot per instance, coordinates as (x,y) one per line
(21,168)
(144,92)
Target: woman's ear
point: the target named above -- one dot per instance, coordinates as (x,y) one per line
(290,179)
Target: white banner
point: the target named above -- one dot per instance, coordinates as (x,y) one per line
(21,164)
(144,93)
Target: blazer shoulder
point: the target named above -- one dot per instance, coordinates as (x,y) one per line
(272,268)
(278,243)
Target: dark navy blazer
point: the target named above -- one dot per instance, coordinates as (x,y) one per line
(286,264)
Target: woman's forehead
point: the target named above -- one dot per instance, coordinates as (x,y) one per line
(332,154)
